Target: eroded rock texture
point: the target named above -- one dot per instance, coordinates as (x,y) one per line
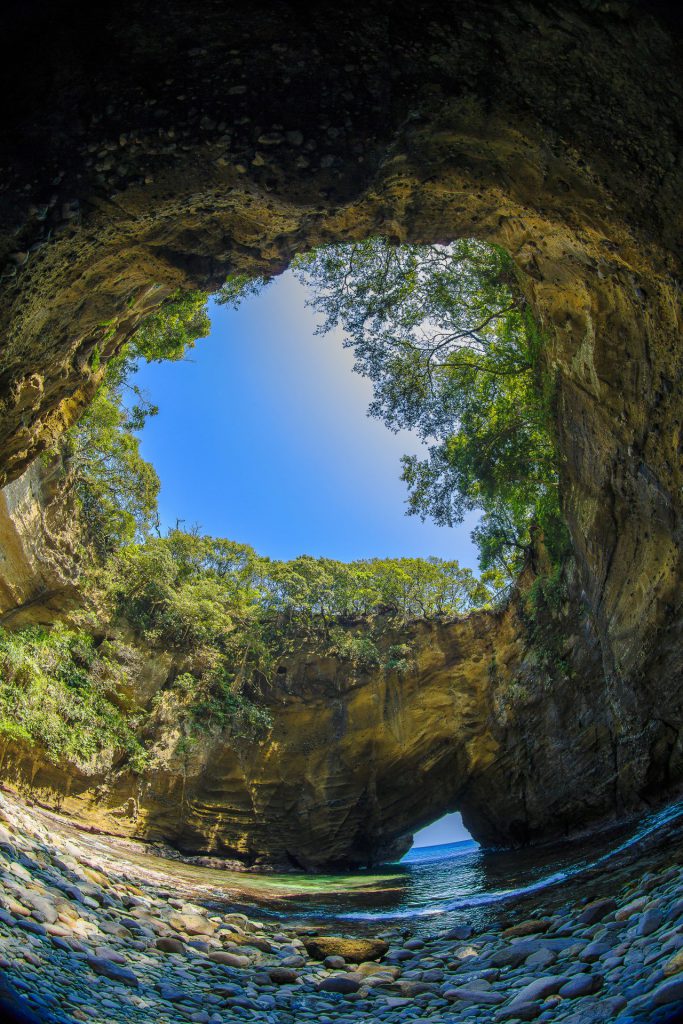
(165,145)
(40,558)
(505,716)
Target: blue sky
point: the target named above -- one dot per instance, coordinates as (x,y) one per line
(448,829)
(263,437)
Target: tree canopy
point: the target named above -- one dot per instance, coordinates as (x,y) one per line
(117,488)
(452,351)
(186,588)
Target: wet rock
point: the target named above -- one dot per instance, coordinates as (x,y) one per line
(32,926)
(115,972)
(293,961)
(594,951)
(670,991)
(353,950)
(344,984)
(674,965)
(283,975)
(524,928)
(634,907)
(541,959)
(650,921)
(220,956)
(191,924)
(335,963)
(518,950)
(255,941)
(596,911)
(42,906)
(104,953)
(412,988)
(471,994)
(582,985)
(167,944)
(521,1011)
(539,989)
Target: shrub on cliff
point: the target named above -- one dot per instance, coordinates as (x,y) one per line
(58,691)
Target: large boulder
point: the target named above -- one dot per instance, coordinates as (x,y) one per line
(355,951)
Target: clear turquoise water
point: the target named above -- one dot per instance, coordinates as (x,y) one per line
(439,886)
(432,888)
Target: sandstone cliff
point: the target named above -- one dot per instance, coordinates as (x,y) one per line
(40,557)
(253,134)
(506,716)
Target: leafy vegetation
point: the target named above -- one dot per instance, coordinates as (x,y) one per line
(116,487)
(219,707)
(542,606)
(58,690)
(452,351)
(185,590)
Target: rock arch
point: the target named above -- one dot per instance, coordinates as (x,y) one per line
(165,147)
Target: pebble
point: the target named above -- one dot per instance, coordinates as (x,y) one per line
(115,972)
(597,910)
(581,985)
(650,921)
(342,983)
(539,989)
(85,936)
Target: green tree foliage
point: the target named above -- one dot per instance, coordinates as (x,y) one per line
(117,488)
(239,287)
(443,333)
(58,690)
(237,614)
(156,585)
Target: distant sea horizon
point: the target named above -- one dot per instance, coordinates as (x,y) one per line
(434,851)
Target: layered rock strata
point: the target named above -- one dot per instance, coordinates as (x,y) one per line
(505,716)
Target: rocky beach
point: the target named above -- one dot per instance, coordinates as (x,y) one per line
(87,935)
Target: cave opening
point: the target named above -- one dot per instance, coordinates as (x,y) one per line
(276,420)
(446,830)
(446,338)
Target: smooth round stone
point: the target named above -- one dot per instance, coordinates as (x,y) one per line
(582,985)
(344,984)
(334,963)
(649,922)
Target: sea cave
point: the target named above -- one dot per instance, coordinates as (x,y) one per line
(216,750)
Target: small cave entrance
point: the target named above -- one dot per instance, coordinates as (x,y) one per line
(445,831)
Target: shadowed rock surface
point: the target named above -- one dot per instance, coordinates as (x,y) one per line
(165,147)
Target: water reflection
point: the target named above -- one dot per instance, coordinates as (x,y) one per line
(438,886)
(454,882)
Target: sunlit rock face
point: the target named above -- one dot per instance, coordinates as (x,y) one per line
(40,560)
(507,717)
(162,146)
